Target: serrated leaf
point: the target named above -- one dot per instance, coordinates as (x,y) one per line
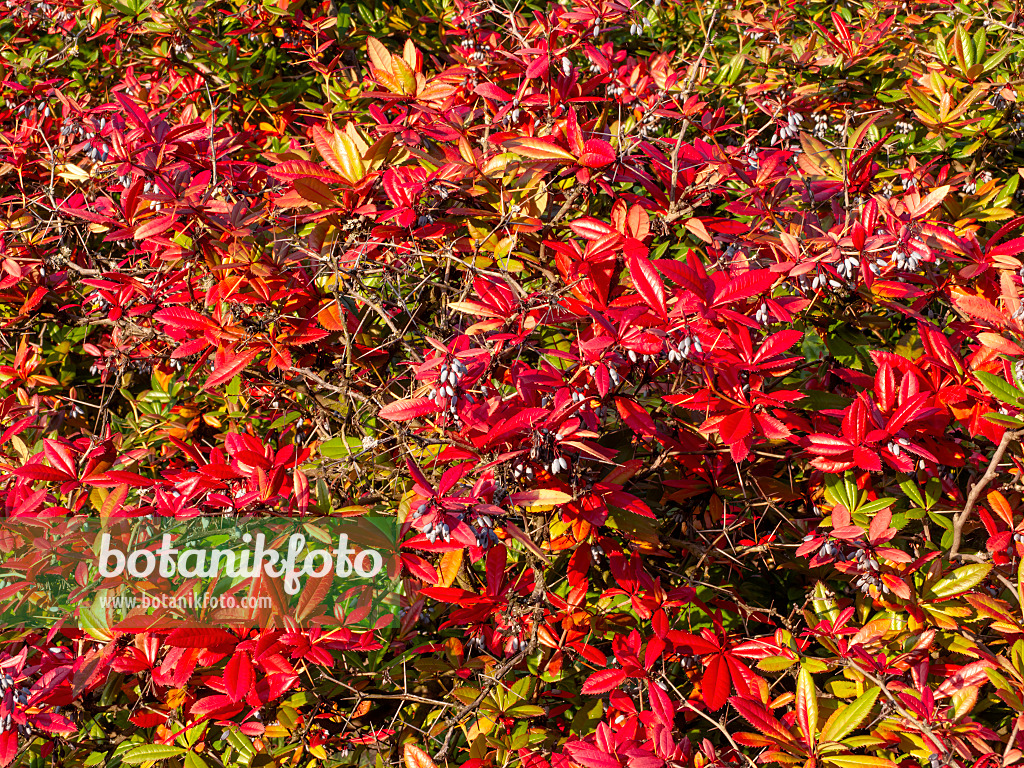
(539,149)
(227,364)
(806,705)
(961,580)
(848,718)
(1000,388)
(150,752)
(417,758)
(404,410)
(340,152)
(858,761)
(775,664)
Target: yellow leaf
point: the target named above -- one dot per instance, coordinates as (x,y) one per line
(403,75)
(72,172)
(340,152)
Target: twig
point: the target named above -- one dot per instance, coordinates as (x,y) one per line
(972,498)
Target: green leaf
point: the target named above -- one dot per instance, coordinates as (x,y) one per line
(966,46)
(526,710)
(998,57)
(1001,418)
(847,719)
(999,388)
(961,580)
(806,705)
(340,446)
(843,490)
(872,507)
(909,487)
(980,43)
(149,752)
(775,663)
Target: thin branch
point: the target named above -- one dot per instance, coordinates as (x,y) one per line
(972,498)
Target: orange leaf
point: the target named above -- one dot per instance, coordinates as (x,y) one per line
(539,149)
(417,758)
(449,567)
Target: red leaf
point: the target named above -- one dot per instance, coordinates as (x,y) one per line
(604,681)
(218,704)
(404,410)
(491,91)
(661,705)
(42,472)
(716,683)
(202,638)
(302,169)
(635,416)
(979,308)
(183,317)
(777,343)
(597,153)
(885,387)
(645,277)
(8,747)
(238,677)
(1009,248)
(735,426)
(155,226)
(590,228)
(746,285)
(538,67)
(761,718)
(590,756)
(226,365)
(906,412)
(828,445)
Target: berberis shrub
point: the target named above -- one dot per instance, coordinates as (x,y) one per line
(684,340)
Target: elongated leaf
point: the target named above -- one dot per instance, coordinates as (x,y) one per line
(183,317)
(539,149)
(149,752)
(645,277)
(340,152)
(848,718)
(417,758)
(227,364)
(539,497)
(302,169)
(238,677)
(961,580)
(746,285)
(604,681)
(806,705)
(404,410)
(1000,388)
(759,717)
(858,761)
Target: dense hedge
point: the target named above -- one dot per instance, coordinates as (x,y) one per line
(683,340)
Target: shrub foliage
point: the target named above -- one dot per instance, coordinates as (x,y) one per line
(684,341)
